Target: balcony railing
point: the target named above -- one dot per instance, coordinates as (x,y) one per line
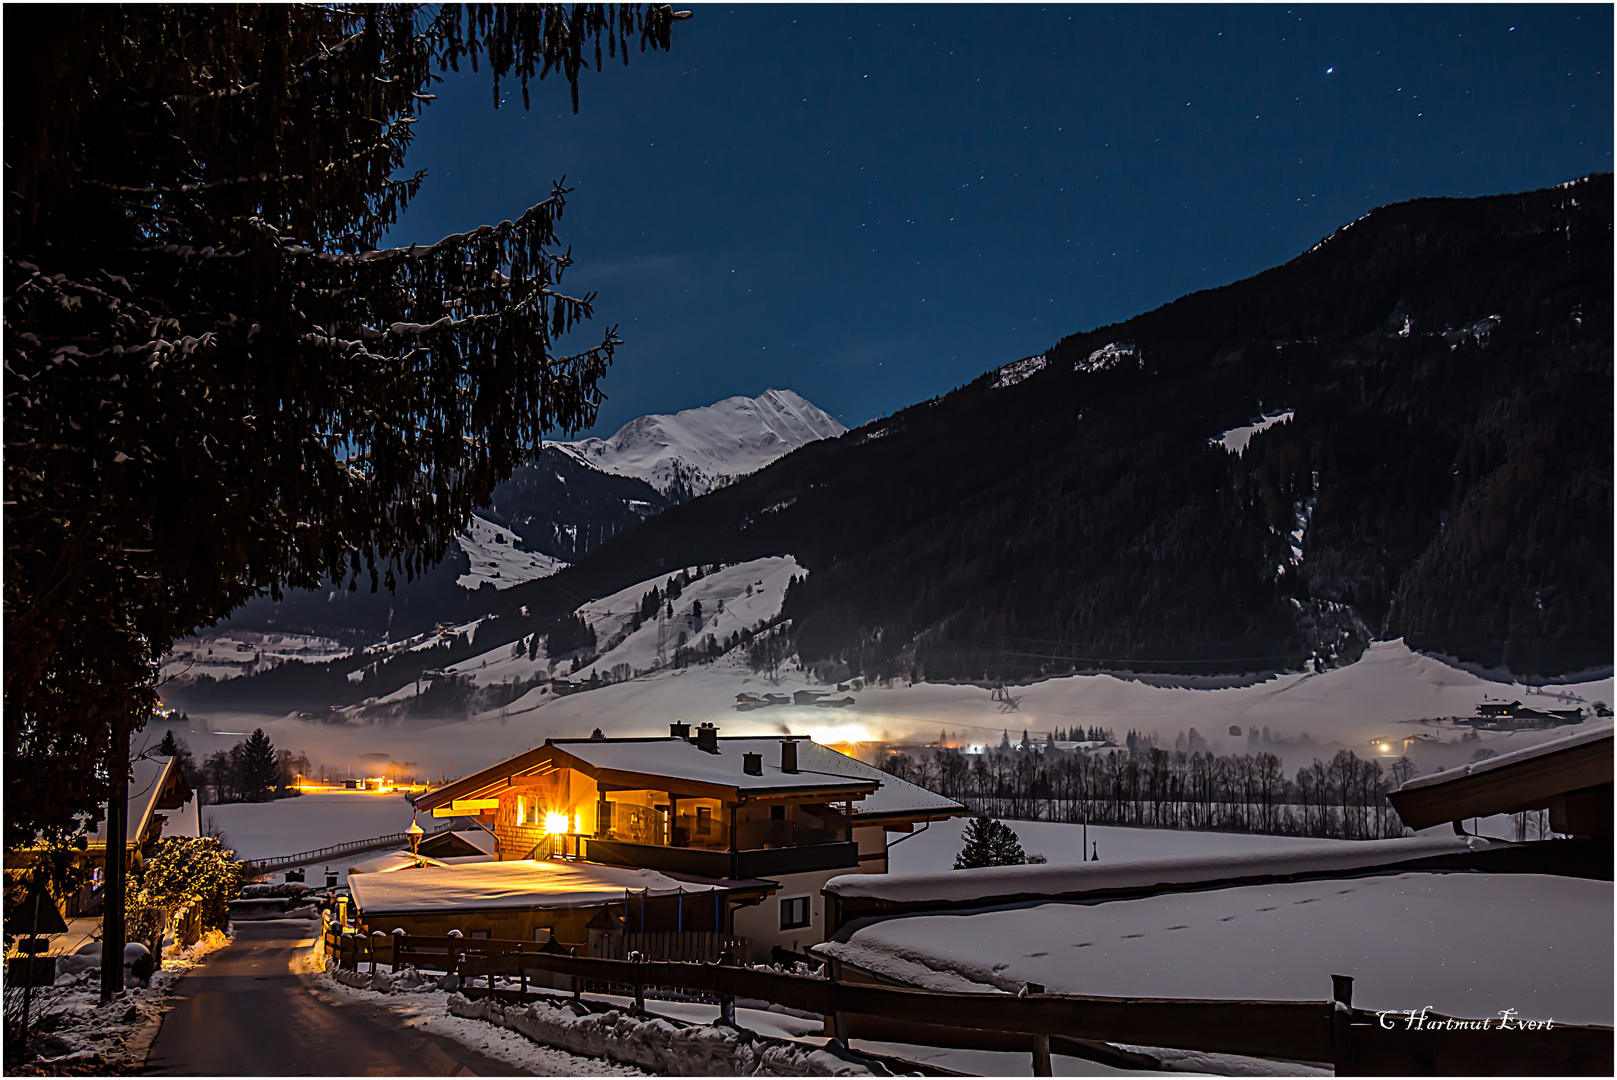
(752,863)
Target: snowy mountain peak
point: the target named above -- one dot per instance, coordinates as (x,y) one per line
(693,452)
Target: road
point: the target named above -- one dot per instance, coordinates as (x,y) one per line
(245,1012)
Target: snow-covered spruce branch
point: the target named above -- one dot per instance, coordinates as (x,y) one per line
(357,157)
(539,214)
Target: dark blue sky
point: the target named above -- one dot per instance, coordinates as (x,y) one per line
(873,205)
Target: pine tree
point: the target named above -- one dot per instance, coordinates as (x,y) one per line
(216,385)
(181,753)
(260,768)
(989,843)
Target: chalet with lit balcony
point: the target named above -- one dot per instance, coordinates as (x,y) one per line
(763,822)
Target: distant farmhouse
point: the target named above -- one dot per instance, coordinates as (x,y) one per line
(689,843)
(1514,716)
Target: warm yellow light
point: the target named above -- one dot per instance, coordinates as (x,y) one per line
(555,823)
(840,734)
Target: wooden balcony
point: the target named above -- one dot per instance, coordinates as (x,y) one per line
(703,862)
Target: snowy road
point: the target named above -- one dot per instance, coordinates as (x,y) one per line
(245,1012)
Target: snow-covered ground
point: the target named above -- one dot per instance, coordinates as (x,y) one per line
(496,560)
(1386,696)
(1467,945)
(1235,439)
(935,847)
(710,447)
(242,652)
(1018,370)
(288,826)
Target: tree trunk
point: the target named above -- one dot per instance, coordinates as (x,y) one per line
(112,921)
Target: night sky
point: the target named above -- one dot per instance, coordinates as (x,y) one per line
(874,205)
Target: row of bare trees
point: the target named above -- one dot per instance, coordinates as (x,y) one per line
(1345,797)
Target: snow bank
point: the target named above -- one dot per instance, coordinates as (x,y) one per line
(72,1027)
(991,882)
(659,1045)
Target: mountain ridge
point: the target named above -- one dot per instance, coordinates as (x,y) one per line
(1444,475)
(1437,354)
(694,451)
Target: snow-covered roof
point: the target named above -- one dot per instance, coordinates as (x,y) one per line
(393,860)
(894,798)
(875,794)
(516,883)
(679,759)
(1409,940)
(150,778)
(999,882)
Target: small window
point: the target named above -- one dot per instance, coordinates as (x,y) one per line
(541,934)
(704,820)
(522,811)
(777,813)
(480,934)
(794,912)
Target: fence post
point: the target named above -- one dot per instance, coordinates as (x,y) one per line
(522,973)
(1344,1059)
(1041,1043)
(376,937)
(398,937)
(727,1002)
(839,1019)
(639,984)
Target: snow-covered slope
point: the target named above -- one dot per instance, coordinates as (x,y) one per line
(496,560)
(695,451)
(736,598)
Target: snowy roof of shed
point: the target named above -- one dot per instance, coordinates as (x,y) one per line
(516,883)
(1523,779)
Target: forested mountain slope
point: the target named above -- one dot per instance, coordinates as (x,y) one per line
(1445,473)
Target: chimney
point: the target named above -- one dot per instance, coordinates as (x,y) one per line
(752,764)
(679,729)
(788,755)
(707,738)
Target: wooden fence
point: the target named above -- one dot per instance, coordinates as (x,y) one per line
(1354,1041)
(698,946)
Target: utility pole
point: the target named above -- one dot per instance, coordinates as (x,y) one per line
(112,919)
